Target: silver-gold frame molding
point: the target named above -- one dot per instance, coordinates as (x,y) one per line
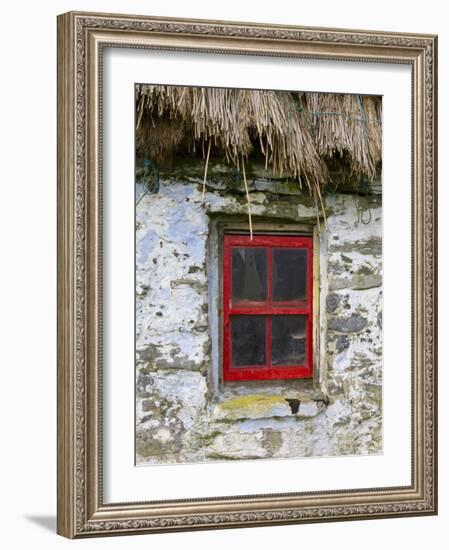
(81,39)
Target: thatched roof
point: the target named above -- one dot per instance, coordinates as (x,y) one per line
(297,133)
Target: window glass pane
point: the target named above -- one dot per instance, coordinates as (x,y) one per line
(289,274)
(249,275)
(288,333)
(248,333)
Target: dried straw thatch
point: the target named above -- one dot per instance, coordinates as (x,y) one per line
(296,132)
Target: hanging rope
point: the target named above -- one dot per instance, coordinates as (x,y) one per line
(248,202)
(150,179)
(362,205)
(205,171)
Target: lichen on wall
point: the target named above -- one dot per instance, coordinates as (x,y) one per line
(183,412)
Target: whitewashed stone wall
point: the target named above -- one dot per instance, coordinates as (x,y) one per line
(183,414)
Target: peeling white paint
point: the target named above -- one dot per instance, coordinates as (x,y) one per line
(174,317)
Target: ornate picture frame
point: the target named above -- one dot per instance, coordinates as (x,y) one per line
(82,39)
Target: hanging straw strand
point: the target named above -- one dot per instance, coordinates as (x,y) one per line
(248,201)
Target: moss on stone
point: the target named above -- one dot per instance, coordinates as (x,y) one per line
(149,447)
(252,401)
(252,406)
(218,456)
(147,369)
(272,441)
(208,438)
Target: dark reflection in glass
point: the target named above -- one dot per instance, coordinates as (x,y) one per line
(249,275)
(289,274)
(288,334)
(248,340)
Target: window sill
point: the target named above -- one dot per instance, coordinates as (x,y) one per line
(255,401)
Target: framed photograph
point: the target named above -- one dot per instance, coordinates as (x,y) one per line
(246,274)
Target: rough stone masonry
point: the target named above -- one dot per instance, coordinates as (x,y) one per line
(183,412)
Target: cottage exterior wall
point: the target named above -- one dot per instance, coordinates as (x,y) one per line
(183,412)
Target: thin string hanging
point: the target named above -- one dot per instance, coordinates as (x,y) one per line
(205,171)
(248,201)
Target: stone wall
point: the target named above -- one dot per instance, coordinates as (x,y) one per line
(184,413)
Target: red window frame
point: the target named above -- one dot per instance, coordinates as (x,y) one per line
(266,372)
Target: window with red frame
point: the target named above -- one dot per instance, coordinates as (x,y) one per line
(267,284)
